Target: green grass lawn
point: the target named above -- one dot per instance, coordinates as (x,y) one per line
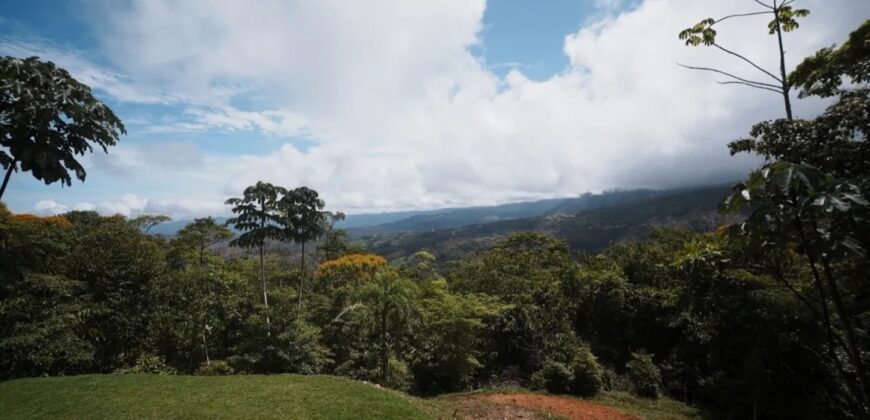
(256,397)
(206,397)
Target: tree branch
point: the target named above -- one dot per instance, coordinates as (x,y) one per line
(742,15)
(764,4)
(767,85)
(748,61)
(779,92)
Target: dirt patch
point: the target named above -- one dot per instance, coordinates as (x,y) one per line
(531,406)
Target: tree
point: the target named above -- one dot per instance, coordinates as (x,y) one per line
(813,201)
(390,302)
(258,220)
(147,221)
(784,20)
(302,220)
(333,239)
(47,118)
(203,233)
(117,265)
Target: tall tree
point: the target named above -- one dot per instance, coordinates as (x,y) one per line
(302,221)
(203,233)
(784,20)
(815,195)
(47,118)
(258,220)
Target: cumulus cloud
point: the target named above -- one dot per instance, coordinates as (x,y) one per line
(405,116)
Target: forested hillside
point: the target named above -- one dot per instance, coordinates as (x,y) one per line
(590,231)
(749,301)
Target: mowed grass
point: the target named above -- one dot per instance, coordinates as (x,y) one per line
(203,397)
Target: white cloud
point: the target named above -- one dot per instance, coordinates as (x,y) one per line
(406,117)
(85,70)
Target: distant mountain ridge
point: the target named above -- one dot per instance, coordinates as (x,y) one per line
(421,220)
(588,222)
(603,220)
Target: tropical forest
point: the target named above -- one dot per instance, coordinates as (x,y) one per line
(351,260)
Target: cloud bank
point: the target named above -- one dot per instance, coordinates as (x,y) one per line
(403,115)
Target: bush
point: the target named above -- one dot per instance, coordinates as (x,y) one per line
(582,375)
(399,376)
(554,377)
(588,374)
(150,363)
(612,381)
(644,376)
(216,368)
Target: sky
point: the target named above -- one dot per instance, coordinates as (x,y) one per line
(385,105)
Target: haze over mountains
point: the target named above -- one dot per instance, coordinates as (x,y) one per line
(589,222)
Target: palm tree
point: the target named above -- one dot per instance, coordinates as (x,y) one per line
(390,301)
(258,221)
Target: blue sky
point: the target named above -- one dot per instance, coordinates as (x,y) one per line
(388,105)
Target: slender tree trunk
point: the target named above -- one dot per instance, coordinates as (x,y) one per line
(205,347)
(301,280)
(785,85)
(9,171)
(201,251)
(384,353)
(265,295)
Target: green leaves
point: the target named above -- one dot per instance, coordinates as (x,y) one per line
(48,118)
(823,74)
(257,215)
(786,19)
(701,33)
(798,203)
(301,216)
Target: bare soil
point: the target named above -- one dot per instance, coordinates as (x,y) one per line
(532,406)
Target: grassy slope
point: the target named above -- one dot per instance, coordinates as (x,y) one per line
(149,396)
(253,396)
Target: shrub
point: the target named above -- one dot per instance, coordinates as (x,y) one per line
(612,381)
(554,377)
(399,376)
(150,363)
(581,375)
(644,375)
(587,373)
(216,368)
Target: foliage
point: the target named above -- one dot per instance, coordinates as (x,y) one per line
(145,222)
(448,341)
(201,234)
(151,364)
(215,368)
(580,374)
(823,74)
(388,303)
(554,377)
(47,119)
(644,375)
(349,268)
(256,215)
